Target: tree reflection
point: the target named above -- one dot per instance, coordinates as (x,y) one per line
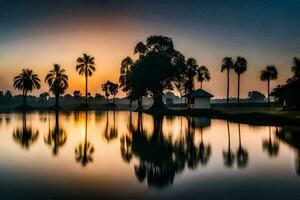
(241,154)
(228,155)
(291,136)
(57,136)
(85,150)
(110,133)
(160,159)
(25,136)
(272,147)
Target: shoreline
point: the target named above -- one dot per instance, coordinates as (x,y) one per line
(251,117)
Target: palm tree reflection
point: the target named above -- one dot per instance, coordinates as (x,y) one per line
(85,150)
(110,133)
(56,137)
(25,136)
(272,147)
(228,155)
(241,154)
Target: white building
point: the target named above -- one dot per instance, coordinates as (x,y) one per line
(199,99)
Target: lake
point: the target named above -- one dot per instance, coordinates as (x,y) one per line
(125,155)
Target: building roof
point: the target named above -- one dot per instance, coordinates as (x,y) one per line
(199,93)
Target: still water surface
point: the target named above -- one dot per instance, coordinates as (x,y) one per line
(124,155)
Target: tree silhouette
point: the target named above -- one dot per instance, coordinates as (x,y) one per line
(272,147)
(190,73)
(296,67)
(227,66)
(228,155)
(26,136)
(56,137)
(157,68)
(126,151)
(57,81)
(105,89)
(241,154)
(85,150)
(240,66)
(26,81)
(203,75)
(268,74)
(204,151)
(125,71)
(113,89)
(110,133)
(86,66)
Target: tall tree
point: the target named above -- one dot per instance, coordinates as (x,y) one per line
(240,66)
(86,66)
(125,70)
(203,75)
(268,74)
(26,81)
(113,89)
(190,73)
(296,67)
(105,89)
(57,81)
(227,66)
(156,69)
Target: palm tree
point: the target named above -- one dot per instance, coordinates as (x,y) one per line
(191,72)
(113,89)
(240,66)
(203,75)
(296,67)
(57,81)
(26,136)
(227,65)
(26,81)
(272,147)
(85,150)
(228,155)
(86,66)
(241,154)
(268,74)
(56,137)
(105,89)
(126,65)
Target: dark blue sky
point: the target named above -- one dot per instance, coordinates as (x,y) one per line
(264,31)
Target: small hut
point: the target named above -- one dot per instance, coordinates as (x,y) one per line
(199,99)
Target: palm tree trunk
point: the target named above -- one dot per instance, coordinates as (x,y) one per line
(228,86)
(239,129)
(238,96)
(201,85)
(24,98)
(86,87)
(56,100)
(228,131)
(269,92)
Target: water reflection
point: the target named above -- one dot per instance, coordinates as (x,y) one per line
(152,150)
(84,150)
(56,136)
(25,135)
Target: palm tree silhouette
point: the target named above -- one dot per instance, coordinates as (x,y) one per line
(240,66)
(192,68)
(296,67)
(126,150)
(126,65)
(203,75)
(105,89)
(268,74)
(227,65)
(228,155)
(242,154)
(204,150)
(26,81)
(113,89)
(57,81)
(272,147)
(112,133)
(86,66)
(56,137)
(85,150)
(26,136)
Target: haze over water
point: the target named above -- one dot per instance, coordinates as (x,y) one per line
(121,154)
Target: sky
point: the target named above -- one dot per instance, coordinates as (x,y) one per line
(36,34)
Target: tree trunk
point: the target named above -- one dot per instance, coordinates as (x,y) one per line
(56,100)
(201,85)
(140,103)
(158,103)
(228,86)
(24,98)
(238,96)
(130,103)
(86,86)
(269,92)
